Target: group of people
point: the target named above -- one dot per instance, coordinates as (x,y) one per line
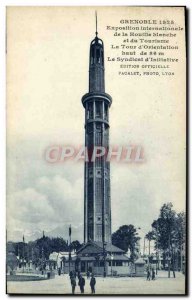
(150,273)
(81,281)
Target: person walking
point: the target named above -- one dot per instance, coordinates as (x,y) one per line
(148,273)
(75,274)
(92,284)
(88,274)
(81,283)
(73,284)
(78,274)
(71,274)
(153,274)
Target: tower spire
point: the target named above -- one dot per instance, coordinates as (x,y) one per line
(96,23)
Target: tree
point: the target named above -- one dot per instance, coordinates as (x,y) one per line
(126,238)
(150,236)
(38,251)
(75,245)
(169,233)
(11,258)
(11,261)
(179,239)
(58,244)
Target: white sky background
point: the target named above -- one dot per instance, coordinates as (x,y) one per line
(47,74)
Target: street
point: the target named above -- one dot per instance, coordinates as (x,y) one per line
(120,285)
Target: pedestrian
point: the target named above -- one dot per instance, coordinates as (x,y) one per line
(81,283)
(74,274)
(78,274)
(73,284)
(88,274)
(92,284)
(153,274)
(71,274)
(148,273)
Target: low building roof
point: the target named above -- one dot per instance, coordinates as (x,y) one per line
(140,261)
(97,248)
(109,247)
(59,255)
(120,257)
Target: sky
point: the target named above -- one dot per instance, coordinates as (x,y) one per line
(47,75)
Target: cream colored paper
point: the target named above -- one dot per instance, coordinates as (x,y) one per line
(47,74)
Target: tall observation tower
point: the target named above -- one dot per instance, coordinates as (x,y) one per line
(97,201)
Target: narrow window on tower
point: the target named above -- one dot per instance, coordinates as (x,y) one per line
(89,128)
(92,55)
(98,127)
(98,56)
(87,113)
(90,173)
(98,173)
(98,109)
(106,111)
(90,109)
(102,60)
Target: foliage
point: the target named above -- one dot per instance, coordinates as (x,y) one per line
(75,245)
(126,238)
(150,236)
(169,230)
(11,261)
(40,249)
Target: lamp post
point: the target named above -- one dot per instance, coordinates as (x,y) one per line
(157,249)
(139,228)
(173,259)
(144,247)
(69,249)
(23,251)
(169,257)
(42,260)
(104,259)
(32,260)
(111,265)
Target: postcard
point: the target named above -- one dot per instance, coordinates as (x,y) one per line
(96,150)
